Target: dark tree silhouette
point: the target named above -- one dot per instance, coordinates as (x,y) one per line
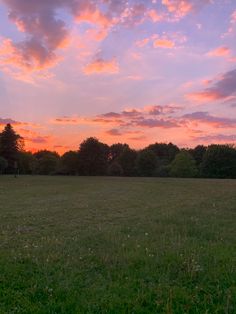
(165,152)
(93,157)
(219,161)
(26,162)
(96,158)
(127,161)
(146,163)
(10,145)
(198,153)
(116,150)
(69,164)
(46,162)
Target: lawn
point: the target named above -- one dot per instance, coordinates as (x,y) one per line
(117,245)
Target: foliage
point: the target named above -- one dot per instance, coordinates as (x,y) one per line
(10,146)
(69,163)
(219,161)
(183,166)
(165,152)
(127,160)
(116,150)
(46,162)
(26,162)
(146,163)
(93,157)
(198,153)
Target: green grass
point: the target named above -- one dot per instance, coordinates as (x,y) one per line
(117,245)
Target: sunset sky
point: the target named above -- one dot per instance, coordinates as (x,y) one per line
(123,71)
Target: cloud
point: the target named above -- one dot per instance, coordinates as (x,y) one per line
(232,23)
(216,138)
(155,16)
(44,31)
(9,121)
(38,139)
(220,52)
(163,43)
(181,8)
(205,117)
(168,40)
(101,66)
(156,123)
(114,132)
(224,87)
(162,110)
(67,120)
(142,43)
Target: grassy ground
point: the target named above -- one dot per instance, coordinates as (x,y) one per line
(117,245)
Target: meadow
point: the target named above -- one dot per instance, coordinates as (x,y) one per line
(117,245)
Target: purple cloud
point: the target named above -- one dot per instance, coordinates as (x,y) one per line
(205,117)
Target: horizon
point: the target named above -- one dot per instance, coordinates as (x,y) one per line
(135,72)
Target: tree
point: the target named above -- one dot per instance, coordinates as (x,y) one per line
(127,161)
(10,146)
(46,162)
(116,150)
(198,153)
(3,165)
(219,161)
(165,152)
(146,163)
(93,157)
(183,166)
(69,163)
(26,162)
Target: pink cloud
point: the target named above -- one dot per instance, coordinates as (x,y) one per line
(155,16)
(232,23)
(220,52)
(142,43)
(101,66)
(163,43)
(181,8)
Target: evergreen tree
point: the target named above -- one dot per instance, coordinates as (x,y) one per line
(10,146)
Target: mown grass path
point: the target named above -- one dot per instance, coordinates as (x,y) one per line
(117,245)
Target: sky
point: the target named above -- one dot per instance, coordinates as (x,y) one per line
(127,71)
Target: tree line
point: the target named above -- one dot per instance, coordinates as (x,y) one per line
(95,158)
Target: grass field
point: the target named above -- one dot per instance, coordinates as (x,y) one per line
(117,245)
